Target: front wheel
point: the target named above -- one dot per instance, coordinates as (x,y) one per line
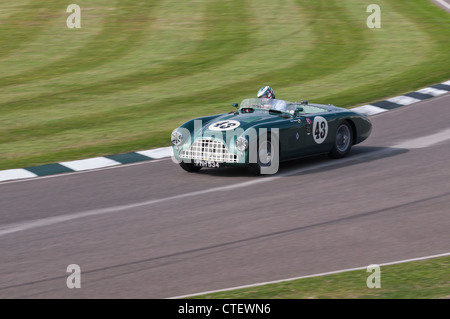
(343,140)
(189,167)
(267,156)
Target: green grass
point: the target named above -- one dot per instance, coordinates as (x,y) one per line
(138,69)
(427,279)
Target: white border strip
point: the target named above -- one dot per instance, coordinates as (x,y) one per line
(432,91)
(157,152)
(403,100)
(16,173)
(311,276)
(368,109)
(90,163)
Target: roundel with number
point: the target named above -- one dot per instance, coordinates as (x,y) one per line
(224,125)
(320,129)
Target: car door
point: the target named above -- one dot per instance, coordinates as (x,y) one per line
(313,135)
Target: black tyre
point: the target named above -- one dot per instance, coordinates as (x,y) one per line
(343,140)
(190,167)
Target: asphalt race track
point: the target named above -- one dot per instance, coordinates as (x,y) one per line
(152,230)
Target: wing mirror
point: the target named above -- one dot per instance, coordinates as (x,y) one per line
(235,104)
(298,111)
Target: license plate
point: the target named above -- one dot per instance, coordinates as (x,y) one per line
(203,163)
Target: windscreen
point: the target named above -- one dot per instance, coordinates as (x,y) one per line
(280,105)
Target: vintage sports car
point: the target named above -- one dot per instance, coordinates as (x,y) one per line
(259,136)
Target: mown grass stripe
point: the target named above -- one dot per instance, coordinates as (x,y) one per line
(223,39)
(25,24)
(302,71)
(123,29)
(435,22)
(208,55)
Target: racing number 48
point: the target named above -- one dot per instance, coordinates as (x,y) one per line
(320,130)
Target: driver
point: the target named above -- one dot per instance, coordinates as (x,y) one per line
(266,92)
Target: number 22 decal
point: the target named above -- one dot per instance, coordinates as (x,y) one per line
(320,129)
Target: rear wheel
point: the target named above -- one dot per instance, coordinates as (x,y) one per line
(190,167)
(343,140)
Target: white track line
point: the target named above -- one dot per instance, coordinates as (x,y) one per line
(310,276)
(445,4)
(17,227)
(425,141)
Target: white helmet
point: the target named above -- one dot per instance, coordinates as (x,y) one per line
(266,92)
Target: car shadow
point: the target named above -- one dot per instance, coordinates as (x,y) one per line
(358,155)
(310,164)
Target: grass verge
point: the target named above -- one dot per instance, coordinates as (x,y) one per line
(426,279)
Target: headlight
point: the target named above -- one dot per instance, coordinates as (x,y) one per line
(241,143)
(176,138)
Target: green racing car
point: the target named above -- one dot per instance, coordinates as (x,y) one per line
(259,136)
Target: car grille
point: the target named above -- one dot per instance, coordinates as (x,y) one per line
(209,150)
